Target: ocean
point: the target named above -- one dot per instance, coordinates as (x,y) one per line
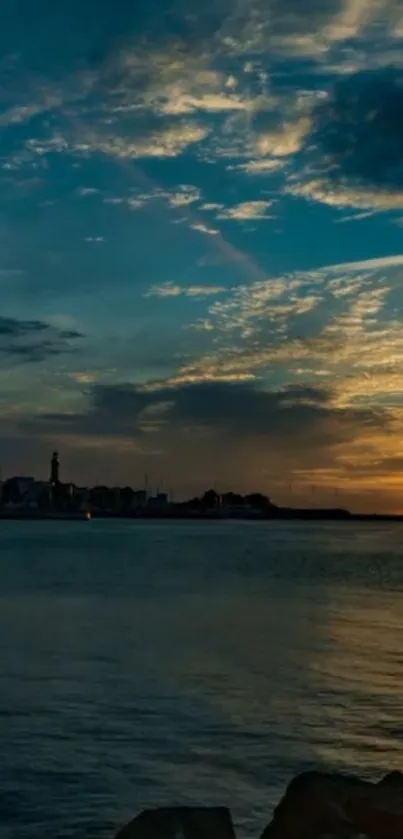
(145,664)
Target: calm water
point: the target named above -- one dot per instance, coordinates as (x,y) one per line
(143,664)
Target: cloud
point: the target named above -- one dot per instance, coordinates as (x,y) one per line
(340,322)
(341,196)
(83,378)
(211,206)
(20,114)
(178,197)
(228,409)
(203,228)
(115,200)
(166,142)
(173,81)
(313,30)
(260,166)
(169,141)
(155,98)
(246,211)
(173,290)
(360,131)
(85,191)
(27,341)
(282,434)
(135,203)
(187,194)
(355,15)
(276,301)
(378,264)
(285,140)
(205,92)
(355,146)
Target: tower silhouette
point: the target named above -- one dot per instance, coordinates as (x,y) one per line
(54,469)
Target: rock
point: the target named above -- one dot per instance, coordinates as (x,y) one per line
(315,806)
(379,814)
(318,805)
(180,823)
(392,779)
(312,807)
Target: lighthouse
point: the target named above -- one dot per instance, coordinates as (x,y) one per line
(54,469)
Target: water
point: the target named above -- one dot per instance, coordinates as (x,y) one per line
(145,664)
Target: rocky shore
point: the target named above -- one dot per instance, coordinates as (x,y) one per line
(315,806)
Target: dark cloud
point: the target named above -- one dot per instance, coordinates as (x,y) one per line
(188,436)
(239,411)
(102,28)
(359,130)
(34,340)
(293,16)
(13,328)
(98,29)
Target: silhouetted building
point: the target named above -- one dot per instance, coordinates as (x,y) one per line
(210,500)
(232,500)
(139,499)
(16,490)
(158,502)
(55,470)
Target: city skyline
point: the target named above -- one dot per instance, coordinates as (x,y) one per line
(202,260)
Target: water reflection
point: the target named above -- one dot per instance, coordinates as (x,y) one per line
(191,664)
(358,676)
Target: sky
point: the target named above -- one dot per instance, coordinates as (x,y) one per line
(201,245)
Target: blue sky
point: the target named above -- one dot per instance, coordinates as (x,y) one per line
(201,256)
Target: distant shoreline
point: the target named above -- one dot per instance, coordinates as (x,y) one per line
(309,515)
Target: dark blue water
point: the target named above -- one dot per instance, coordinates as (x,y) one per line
(145,664)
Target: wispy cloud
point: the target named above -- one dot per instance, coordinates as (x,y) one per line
(259,166)
(288,325)
(204,228)
(246,211)
(173,290)
(170,141)
(86,191)
(179,134)
(186,194)
(172,82)
(285,140)
(30,341)
(369,264)
(343,196)
(19,114)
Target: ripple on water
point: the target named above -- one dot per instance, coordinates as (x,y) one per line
(150,664)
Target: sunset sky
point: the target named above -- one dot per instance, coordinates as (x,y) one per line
(201,245)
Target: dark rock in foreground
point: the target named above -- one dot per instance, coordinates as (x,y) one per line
(315,806)
(320,806)
(180,823)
